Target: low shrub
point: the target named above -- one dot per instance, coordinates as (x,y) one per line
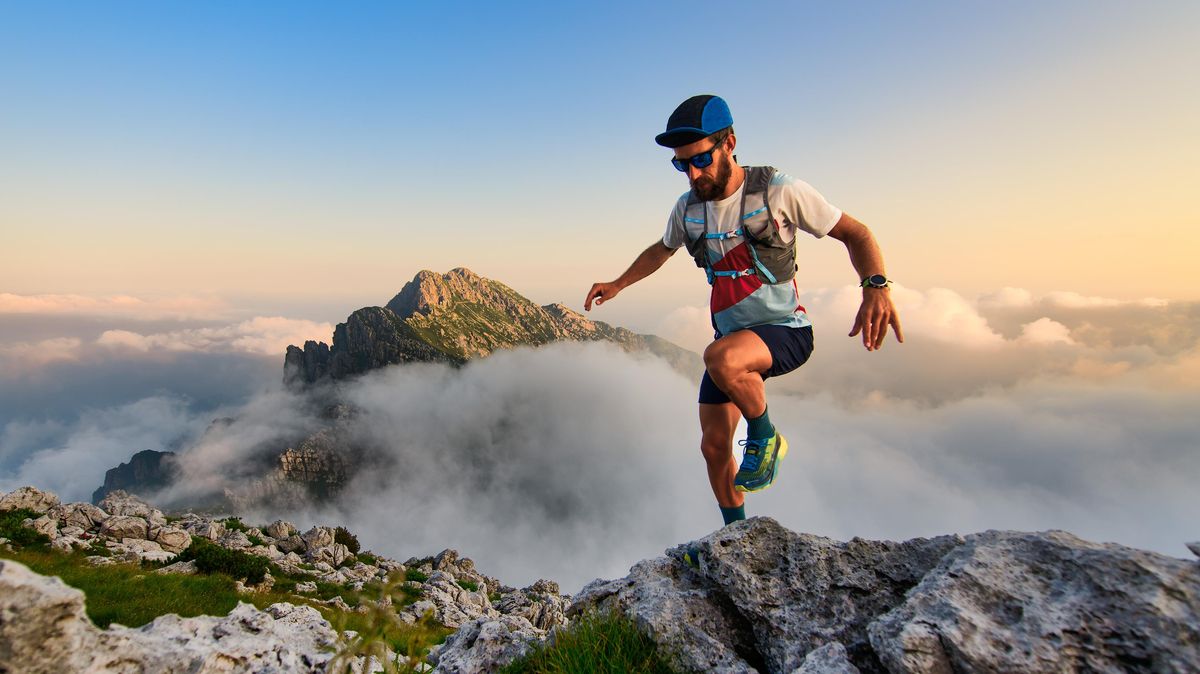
(414,574)
(342,535)
(235,524)
(212,558)
(20,536)
(368,559)
(468,585)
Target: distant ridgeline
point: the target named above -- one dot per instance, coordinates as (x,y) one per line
(450,318)
(453,318)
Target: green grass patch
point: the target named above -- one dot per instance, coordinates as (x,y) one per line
(255,540)
(128,594)
(598,643)
(468,585)
(380,627)
(368,559)
(415,575)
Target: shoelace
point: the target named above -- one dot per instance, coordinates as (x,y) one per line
(753,454)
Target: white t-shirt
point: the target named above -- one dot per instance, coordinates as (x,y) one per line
(794,203)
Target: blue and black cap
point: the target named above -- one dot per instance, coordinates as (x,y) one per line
(696,118)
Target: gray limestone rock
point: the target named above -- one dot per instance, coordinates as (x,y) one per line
(764,597)
(1194,547)
(43,629)
(279,529)
(484,645)
(120,503)
(121,527)
(828,659)
(171,538)
(83,515)
(1046,602)
(28,497)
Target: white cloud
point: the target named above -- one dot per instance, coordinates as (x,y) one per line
(125,306)
(689,327)
(1045,331)
(1007,297)
(262,335)
(25,357)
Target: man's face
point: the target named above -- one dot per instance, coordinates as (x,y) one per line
(710,182)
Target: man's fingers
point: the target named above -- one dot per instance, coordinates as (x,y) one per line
(896,325)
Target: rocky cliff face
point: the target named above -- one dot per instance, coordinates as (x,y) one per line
(452,318)
(146,471)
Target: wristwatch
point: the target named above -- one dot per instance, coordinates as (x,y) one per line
(876,281)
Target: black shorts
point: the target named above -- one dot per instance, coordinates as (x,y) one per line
(790,348)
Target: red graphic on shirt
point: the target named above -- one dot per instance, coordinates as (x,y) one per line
(727,290)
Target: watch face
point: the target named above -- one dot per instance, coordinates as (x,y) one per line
(877,280)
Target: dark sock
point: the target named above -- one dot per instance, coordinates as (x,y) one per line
(734,514)
(760,428)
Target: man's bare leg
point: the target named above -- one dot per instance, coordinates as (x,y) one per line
(717,426)
(734,363)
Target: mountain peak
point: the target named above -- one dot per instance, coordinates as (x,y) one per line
(454,317)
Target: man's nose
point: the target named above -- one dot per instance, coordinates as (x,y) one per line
(693,172)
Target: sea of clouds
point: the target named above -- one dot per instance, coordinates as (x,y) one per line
(574,461)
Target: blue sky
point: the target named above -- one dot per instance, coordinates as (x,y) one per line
(333,151)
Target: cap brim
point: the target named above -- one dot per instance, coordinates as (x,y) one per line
(680,137)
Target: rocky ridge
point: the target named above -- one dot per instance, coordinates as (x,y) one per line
(285,637)
(452,318)
(761,599)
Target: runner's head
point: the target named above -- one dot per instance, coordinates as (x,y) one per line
(701,133)
(695,119)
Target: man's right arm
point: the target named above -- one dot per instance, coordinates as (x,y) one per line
(646,264)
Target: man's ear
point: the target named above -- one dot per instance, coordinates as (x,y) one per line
(732,140)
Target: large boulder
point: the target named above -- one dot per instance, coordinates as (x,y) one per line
(120,527)
(172,539)
(83,515)
(120,503)
(43,629)
(764,596)
(484,645)
(1047,602)
(28,497)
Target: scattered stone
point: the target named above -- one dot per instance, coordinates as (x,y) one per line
(306,587)
(120,503)
(235,540)
(280,529)
(187,568)
(43,525)
(28,497)
(83,515)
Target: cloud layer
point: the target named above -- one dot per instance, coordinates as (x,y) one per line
(576,460)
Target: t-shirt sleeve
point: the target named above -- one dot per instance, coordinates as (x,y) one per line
(800,205)
(676,235)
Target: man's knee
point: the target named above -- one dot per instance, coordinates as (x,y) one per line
(716,446)
(719,361)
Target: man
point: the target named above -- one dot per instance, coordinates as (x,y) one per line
(739,224)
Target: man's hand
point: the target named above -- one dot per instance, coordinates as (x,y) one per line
(874,316)
(601,293)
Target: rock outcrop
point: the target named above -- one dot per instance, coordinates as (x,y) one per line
(452,318)
(770,600)
(146,472)
(43,628)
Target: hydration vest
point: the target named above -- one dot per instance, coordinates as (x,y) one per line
(774,260)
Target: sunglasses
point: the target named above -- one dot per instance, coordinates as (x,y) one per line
(702,160)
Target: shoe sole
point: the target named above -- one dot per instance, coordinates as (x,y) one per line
(779,454)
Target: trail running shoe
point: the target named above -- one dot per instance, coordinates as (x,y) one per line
(760,463)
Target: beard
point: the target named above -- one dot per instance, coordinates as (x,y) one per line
(708,189)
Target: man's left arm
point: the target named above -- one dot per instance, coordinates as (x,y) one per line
(877,311)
